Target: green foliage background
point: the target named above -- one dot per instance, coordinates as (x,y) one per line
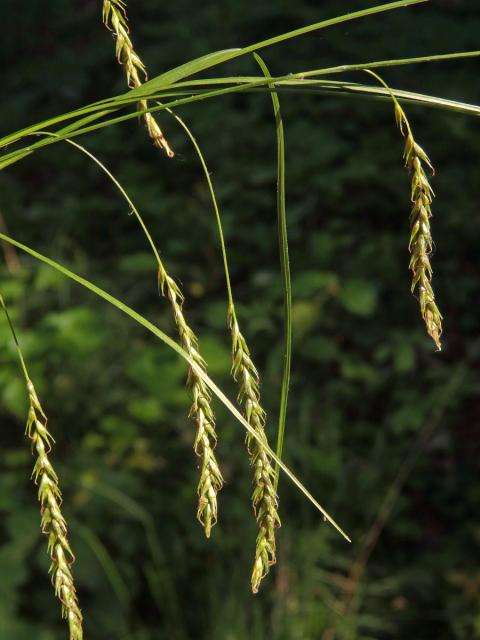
(366,379)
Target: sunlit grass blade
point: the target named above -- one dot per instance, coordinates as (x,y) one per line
(344,68)
(327,87)
(173,345)
(103,107)
(212,60)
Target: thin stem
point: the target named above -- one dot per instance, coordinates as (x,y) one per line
(285,268)
(214,202)
(15,339)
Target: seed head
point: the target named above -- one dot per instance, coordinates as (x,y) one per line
(211,480)
(53,522)
(115,19)
(264,497)
(421,242)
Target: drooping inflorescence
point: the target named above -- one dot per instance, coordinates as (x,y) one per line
(421,243)
(115,19)
(211,480)
(264,497)
(53,522)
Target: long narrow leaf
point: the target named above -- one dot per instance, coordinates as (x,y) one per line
(173,345)
(328,87)
(212,60)
(443,57)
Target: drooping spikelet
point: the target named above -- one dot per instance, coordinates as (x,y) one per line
(115,19)
(211,480)
(421,243)
(53,522)
(264,497)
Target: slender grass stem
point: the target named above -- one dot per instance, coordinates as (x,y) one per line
(285,268)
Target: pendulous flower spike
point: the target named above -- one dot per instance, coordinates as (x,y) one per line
(420,243)
(53,523)
(115,19)
(264,496)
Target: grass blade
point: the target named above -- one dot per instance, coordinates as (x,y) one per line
(212,60)
(282,82)
(173,345)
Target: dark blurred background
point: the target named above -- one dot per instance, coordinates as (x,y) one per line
(381,428)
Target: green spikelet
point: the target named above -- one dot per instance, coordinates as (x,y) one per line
(115,19)
(264,497)
(421,242)
(211,480)
(53,522)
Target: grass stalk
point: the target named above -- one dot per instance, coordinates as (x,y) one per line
(284,266)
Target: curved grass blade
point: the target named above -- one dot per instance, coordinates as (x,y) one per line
(173,345)
(325,86)
(106,106)
(210,60)
(396,62)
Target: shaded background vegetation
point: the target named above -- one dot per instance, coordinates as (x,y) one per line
(366,381)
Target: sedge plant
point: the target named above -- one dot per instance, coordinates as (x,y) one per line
(168,92)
